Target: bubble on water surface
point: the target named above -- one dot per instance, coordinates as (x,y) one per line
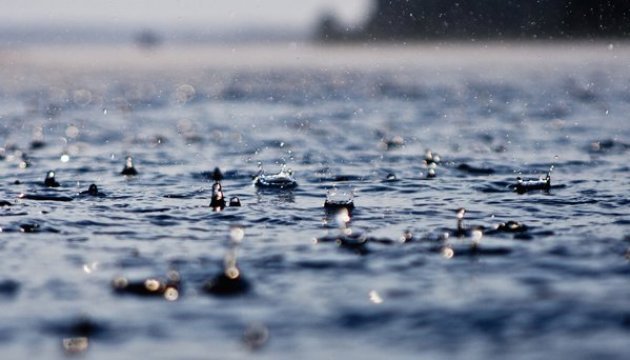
(184,93)
(255,336)
(82,97)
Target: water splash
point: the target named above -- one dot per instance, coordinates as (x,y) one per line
(543,183)
(218,199)
(129,169)
(50,180)
(230,281)
(282,180)
(336,200)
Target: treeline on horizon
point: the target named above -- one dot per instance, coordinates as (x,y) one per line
(485,19)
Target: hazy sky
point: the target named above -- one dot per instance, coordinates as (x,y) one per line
(181,13)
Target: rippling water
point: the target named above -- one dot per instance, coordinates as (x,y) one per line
(343,120)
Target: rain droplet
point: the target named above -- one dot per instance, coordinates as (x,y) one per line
(236,234)
(477,234)
(75,345)
(232,272)
(90,268)
(171,294)
(375,297)
(152,284)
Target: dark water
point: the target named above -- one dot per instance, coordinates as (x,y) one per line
(558,290)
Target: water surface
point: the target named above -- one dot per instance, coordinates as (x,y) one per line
(342,119)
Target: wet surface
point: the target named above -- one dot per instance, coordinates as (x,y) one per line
(537,274)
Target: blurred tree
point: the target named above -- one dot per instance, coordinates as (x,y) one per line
(469,19)
(593,18)
(147,39)
(329,27)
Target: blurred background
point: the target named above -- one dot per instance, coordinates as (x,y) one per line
(159,21)
(71,21)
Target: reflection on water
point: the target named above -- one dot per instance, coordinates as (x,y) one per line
(418,252)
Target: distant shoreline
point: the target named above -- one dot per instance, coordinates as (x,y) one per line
(189,58)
